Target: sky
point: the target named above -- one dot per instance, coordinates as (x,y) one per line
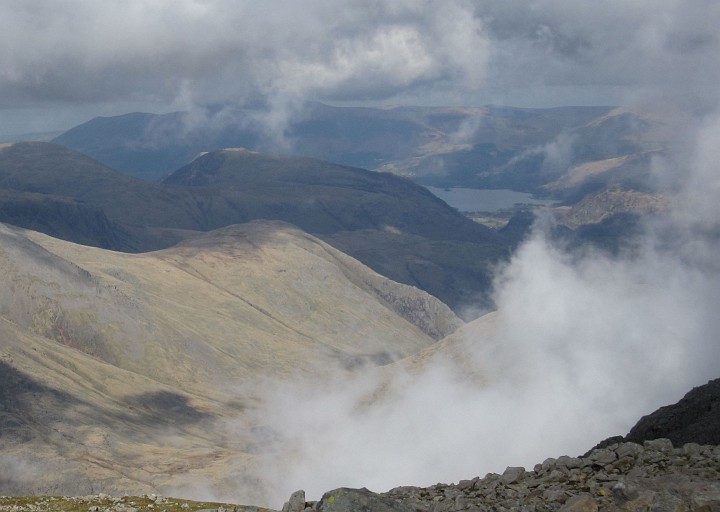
(63,62)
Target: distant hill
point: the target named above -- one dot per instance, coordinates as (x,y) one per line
(151,146)
(126,208)
(572,154)
(480,147)
(321,197)
(394,226)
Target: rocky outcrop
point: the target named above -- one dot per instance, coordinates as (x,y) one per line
(623,476)
(695,418)
(608,202)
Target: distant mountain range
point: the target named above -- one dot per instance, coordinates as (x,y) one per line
(193,180)
(565,151)
(393,225)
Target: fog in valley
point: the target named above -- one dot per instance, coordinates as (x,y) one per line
(583,343)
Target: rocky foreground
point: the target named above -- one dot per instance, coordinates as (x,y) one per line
(626,476)
(654,476)
(617,475)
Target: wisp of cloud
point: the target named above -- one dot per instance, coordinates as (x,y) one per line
(582,344)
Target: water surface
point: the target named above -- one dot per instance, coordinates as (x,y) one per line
(485,200)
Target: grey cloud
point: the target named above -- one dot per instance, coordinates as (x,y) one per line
(667,47)
(172,55)
(221,50)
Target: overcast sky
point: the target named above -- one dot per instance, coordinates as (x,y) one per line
(65,61)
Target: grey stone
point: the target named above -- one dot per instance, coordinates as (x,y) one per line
(580,503)
(637,472)
(628,450)
(665,501)
(706,500)
(464,485)
(622,492)
(692,449)
(296,503)
(569,462)
(557,475)
(460,502)
(549,464)
(512,475)
(346,499)
(555,495)
(452,493)
(601,457)
(660,445)
(623,464)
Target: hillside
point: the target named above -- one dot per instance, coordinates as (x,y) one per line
(321,197)
(567,153)
(150,373)
(50,188)
(139,372)
(372,216)
(394,226)
(494,147)
(151,146)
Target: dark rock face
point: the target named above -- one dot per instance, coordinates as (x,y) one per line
(694,419)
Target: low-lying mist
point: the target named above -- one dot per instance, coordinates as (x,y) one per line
(582,344)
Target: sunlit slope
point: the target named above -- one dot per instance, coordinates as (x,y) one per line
(125,369)
(257,297)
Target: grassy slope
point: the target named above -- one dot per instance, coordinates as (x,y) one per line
(132,373)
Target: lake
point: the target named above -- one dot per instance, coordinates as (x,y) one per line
(485,200)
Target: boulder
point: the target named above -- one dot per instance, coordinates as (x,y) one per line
(346,499)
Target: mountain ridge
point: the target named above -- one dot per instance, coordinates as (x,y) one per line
(353,208)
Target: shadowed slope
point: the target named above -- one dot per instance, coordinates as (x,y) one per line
(320,197)
(368,215)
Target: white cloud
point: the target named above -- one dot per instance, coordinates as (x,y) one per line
(583,344)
